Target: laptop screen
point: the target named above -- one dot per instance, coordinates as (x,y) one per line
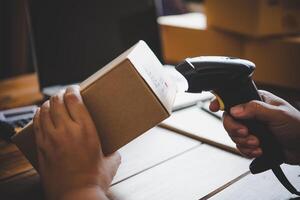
(75,38)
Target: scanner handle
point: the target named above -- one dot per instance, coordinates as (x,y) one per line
(272,152)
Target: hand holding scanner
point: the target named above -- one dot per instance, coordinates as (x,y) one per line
(230,79)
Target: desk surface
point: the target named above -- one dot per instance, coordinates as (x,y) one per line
(161,164)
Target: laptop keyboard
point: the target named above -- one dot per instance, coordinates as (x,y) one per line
(18,117)
(20,123)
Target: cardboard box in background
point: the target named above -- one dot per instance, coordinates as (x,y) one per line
(255,18)
(277,61)
(125,98)
(187,36)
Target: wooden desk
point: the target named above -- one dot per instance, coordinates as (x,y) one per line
(160,164)
(19,91)
(262,186)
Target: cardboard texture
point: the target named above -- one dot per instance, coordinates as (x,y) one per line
(256,18)
(277,61)
(187,36)
(125,98)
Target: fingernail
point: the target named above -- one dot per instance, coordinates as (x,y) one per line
(251,142)
(37,111)
(242,132)
(257,152)
(236,110)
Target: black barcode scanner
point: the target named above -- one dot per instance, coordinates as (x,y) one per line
(230,79)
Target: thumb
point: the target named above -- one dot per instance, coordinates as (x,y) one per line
(256,110)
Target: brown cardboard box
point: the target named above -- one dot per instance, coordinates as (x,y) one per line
(125,98)
(187,36)
(255,17)
(277,61)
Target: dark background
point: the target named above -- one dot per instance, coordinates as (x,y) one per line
(75,38)
(72,38)
(14,52)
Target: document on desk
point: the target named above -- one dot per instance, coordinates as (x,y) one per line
(200,125)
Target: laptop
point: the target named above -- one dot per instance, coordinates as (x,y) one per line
(72,39)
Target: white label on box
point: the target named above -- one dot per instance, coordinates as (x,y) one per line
(152,71)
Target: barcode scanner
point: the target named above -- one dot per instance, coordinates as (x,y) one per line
(230,79)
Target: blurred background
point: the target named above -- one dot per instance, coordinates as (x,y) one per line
(65,41)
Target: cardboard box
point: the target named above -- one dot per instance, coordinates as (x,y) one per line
(277,61)
(187,36)
(125,98)
(255,18)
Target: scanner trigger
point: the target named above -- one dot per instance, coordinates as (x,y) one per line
(220,101)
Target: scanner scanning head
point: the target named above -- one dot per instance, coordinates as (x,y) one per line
(208,73)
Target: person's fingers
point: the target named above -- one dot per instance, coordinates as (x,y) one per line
(39,137)
(250,152)
(248,142)
(253,141)
(45,118)
(245,151)
(58,110)
(214,105)
(270,98)
(239,133)
(257,152)
(256,110)
(75,105)
(233,128)
(80,114)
